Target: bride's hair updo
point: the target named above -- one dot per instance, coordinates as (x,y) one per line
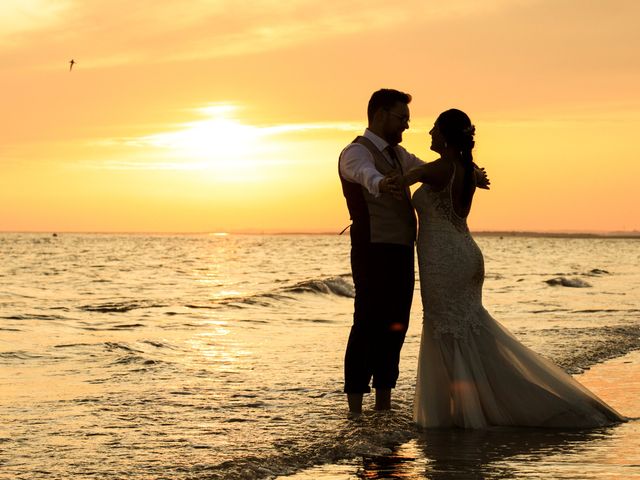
(458,131)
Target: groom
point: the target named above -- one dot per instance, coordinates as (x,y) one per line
(383,232)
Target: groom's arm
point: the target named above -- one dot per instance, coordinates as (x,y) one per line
(356,165)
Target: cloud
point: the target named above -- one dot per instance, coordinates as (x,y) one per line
(19,16)
(108,33)
(221,138)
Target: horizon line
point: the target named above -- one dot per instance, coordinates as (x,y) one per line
(568,233)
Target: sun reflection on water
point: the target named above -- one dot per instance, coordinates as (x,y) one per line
(217,348)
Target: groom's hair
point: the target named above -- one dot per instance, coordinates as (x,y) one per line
(385,98)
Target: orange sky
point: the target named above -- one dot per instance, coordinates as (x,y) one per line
(229,116)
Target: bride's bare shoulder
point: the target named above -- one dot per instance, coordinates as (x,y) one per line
(437,173)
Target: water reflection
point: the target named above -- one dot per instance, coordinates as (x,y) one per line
(530,453)
(490,454)
(215,350)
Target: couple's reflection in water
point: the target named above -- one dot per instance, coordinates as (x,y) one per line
(488,454)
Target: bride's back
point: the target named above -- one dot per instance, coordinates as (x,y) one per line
(463,188)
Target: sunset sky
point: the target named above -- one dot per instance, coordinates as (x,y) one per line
(216,115)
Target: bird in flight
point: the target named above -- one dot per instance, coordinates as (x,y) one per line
(71,64)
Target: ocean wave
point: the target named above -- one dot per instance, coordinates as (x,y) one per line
(158,344)
(128,355)
(337,285)
(126,326)
(596,272)
(328,286)
(34,316)
(19,355)
(572,279)
(568,282)
(607,310)
(121,307)
(551,310)
(114,346)
(260,300)
(332,285)
(134,359)
(595,345)
(91,327)
(72,345)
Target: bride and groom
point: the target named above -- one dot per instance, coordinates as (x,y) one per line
(472,372)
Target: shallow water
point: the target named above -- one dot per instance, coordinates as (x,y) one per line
(603,453)
(133,356)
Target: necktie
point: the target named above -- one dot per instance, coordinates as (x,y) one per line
(395,163)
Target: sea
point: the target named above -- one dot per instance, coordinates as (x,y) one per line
(220,356)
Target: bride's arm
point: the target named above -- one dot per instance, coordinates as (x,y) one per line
(434,173)
(413,176)
(482,180)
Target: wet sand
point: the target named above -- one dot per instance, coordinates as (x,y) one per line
(604,453)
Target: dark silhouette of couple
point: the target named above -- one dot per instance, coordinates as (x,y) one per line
(471,372)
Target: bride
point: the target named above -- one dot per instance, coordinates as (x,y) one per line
(472,372)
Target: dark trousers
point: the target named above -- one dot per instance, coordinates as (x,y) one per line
(384,279)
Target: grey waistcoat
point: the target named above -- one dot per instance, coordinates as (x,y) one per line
(381,219)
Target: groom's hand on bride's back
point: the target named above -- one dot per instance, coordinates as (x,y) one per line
(391,185)
(482,180)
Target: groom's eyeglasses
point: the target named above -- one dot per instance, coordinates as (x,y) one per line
(403,118)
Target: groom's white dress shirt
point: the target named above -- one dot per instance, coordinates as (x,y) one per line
(357,164)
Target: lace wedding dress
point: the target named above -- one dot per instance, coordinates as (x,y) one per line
(472,372)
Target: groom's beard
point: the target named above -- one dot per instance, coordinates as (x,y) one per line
(394,139)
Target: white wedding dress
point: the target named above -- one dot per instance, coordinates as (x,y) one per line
(473,373)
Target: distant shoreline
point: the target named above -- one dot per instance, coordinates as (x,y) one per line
(482,233)
(632,235)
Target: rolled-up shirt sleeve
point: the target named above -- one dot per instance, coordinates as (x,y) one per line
(357,165)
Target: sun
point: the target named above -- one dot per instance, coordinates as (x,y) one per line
(219,143)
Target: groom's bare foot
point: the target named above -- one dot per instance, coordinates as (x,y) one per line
(383,399)
(355,403)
